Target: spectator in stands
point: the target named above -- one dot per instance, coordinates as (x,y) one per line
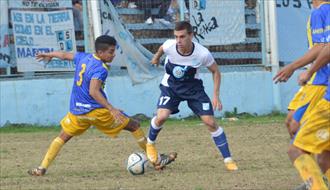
(77,18)
(161,5)
(116,3)
(173,12)
(124,4)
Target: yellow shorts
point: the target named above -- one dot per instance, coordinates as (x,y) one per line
(101,118)
(307,94)
(314,133)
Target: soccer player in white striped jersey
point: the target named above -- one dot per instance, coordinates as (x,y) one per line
(181,82)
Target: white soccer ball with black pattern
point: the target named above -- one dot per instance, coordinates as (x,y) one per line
(137,163)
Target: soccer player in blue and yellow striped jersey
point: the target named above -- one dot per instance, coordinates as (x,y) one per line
(89,105)
(318,28)
(314,134)
(308,97)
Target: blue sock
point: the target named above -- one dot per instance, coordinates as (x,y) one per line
(220,141)
(153,131)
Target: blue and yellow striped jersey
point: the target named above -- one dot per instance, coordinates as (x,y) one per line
(318,31)
(88,67)
(327,93)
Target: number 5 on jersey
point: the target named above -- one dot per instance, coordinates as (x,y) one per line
(163,100)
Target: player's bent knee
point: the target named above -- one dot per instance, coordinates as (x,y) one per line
(64,136)
(211,124)
(287,122)
(294,124)
(160,120)
(295,152)
(324,161)
(132,125)
(292,152)
(288,118)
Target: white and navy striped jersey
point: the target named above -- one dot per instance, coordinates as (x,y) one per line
(182,71)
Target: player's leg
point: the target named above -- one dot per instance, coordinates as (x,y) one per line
(52,152)
(312,137)
(71,126)
(297,101)
(201,105)
(220,140)
(324,163)
(167,104)
(154,129)
(296,118)
(134,127)
(308,168)
(288,121)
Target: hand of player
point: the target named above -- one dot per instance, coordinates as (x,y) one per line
(117,114)
(43,57)
(284,74)
(216,103)
(292,129)
(303,78)
(155,61)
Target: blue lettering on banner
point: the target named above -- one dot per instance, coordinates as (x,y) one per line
(18,17)
(29,18)
(38,30)
(40,19)
(22,29)
(49,30)
(24,40)
(58,17)
(56,63)
(34,32)
(31,52)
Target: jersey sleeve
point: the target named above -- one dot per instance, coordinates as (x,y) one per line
(167,44)
(327,25)
(318,27)
(100,74)
(208,59)
(78,56)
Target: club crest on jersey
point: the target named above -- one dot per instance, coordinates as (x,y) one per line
(178,72)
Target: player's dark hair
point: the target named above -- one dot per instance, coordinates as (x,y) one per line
(103,42)
(183,25)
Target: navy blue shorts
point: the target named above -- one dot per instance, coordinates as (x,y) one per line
(198,101)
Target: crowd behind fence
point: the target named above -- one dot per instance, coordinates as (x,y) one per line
(151,22)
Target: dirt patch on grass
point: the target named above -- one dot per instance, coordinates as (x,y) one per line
(94,161)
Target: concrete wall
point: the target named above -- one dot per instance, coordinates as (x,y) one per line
(46,101)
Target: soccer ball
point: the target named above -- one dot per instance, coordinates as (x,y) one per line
(137,163)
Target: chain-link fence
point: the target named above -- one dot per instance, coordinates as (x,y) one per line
(26,20)
(152,22)
(231,30)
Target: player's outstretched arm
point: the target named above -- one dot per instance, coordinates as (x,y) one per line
(57,54)
(216,103)
(285,73)
(322,59)
(157,56)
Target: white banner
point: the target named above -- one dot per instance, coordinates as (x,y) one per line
(129,53)
(42,32)
(218,22)
(292,17)
(5,58)
(40,4)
